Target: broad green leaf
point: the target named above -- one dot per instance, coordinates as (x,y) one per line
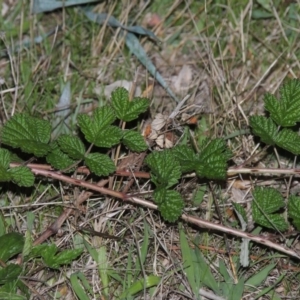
(288,140)
(212,159)
(11,245)
(286,111)
(134,141)
(59,160)
(186,157)
(165,169)
(5,175)
(269,199)
(267,202)
(72,146)
(4,158)
(272,221)
(265,128)
(30,134)
(127,110)
(22,176)
(108,137)
(170,204)
(259,277)
(100,164)
(97,129)
(10,273)
(294,210)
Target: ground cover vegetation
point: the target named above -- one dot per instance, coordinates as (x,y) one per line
(149,150)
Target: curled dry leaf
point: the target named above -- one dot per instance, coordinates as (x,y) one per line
(159,122)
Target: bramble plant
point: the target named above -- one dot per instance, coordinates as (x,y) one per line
(32,135)
(67,152)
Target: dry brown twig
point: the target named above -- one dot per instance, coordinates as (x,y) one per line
(144,203)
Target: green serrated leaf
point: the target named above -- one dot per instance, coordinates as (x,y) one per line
(212,160)
(274,221)
(294,210)
(186,157)
(267,201)
(11,245)
(170,204)
(100,164)
(22,176)
(30,134)
(165,169)
(288,140)
(10,273)
(59,160)
(97,129)
(108,137)
(4,158)
(286,111)
(134,141)
(72,146)
(265,128)
(127,110)
(5,176)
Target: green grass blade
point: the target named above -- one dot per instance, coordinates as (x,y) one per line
(139,285)
(259,277)
(76,285)
(187,258)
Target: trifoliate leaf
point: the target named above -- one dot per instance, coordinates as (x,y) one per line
(286,111)
(212,160)
(28,133)
(186,157)
(22,176)
(265,128)
(267,202)
(288,140)
(170,204)
(100,164)
(97,129)
(165,169)
(134,141)
(72,146)
(294,210)
(4,158)
(60,160)
(127,110)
